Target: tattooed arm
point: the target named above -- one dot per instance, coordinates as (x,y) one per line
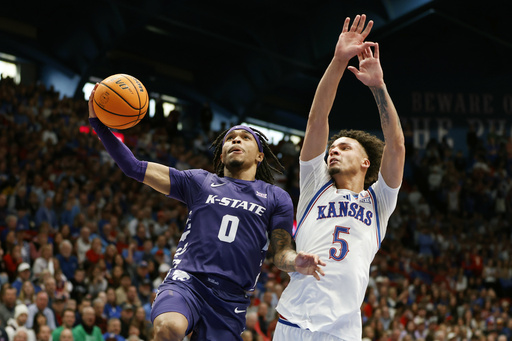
(287,259)
(393,157)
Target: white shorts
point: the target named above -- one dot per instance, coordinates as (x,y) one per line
(285,332)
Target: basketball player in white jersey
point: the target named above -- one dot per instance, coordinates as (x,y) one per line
(344,204)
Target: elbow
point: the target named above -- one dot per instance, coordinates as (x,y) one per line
(398,143)
(397,146)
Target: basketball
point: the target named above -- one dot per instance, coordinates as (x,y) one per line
(120,101)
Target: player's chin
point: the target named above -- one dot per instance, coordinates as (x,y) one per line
(234,163)
(334,169)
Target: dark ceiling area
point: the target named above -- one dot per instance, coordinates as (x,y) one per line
(263,59)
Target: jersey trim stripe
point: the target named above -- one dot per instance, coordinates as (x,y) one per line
(311,204)
(280,320)
(374,202)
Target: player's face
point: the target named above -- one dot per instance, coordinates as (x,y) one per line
(346,156)
(240,149)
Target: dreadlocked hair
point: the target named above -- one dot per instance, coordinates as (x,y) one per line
(372,145)
(266,168)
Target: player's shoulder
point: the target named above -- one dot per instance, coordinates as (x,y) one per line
(380,187)
(275,192)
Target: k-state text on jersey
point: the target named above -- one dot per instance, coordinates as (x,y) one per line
(235,203)
(342,209)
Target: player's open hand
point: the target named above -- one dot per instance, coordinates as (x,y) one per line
(351,41)
(309,264)
(370,70)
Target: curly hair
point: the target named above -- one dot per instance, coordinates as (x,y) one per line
(373,147)
(266,168)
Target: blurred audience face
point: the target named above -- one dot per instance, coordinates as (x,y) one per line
(114,326)
(9,298)
(66,335)
(20,335)
(44,334)
(88,316)
(68,319)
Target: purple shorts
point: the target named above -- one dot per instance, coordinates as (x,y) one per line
(212,314)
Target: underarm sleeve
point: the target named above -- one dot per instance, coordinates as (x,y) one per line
(121,154)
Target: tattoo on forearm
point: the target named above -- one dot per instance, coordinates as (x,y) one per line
(382,104)
(281,241)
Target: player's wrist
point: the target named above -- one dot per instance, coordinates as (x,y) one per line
(340,61)
(378,86)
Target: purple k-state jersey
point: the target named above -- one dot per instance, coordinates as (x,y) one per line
(229,224)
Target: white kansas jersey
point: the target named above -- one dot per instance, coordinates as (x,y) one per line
(345,229)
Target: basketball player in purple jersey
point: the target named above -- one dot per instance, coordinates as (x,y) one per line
(232,215)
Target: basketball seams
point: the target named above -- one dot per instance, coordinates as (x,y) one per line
(138,97)
(114,113)
(121,97)
(125,125)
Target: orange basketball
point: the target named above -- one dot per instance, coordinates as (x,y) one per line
(120,101)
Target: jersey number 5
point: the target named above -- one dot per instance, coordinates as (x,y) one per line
(341,252)
(228,228)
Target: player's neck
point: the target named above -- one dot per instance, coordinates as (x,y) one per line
(354,184)
(247,174)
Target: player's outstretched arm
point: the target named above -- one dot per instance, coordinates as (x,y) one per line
(287,259)
(350,43)
(152,174)
(393,157)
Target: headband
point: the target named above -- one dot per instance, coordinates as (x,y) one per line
(246,128)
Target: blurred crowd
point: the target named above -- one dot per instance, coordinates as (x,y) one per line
(84,247)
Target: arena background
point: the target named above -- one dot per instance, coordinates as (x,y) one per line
(444,266)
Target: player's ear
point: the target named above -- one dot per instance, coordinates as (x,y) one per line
(365,163)
(260,156)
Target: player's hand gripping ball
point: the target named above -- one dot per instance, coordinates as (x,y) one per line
(120,101)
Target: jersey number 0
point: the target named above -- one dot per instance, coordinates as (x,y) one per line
(228,228)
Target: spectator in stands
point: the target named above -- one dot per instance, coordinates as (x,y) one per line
(20,199)
(143,325)
(19,335)
(127,312)
(122,290)
(23,275)
(80,287)
(41,306)
(27,293)
(113,330)
(161,244)
(67,260)
(83,243)
(4,210)
(18,322)
(39,321)
(100,319)
(252,326)
(96,281)
(65,335)
(132,296)
(44,261)
(86,330)
(8,304)
(95,253)
(141,274)
(112,309)
(68,322)
(12,259)
(11,226)
(47,213)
